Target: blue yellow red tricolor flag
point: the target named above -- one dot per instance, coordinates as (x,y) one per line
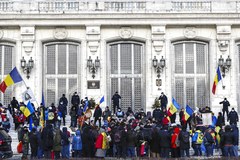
(12,78)
(173,108)
(27,110)
(217,78)
(188,113)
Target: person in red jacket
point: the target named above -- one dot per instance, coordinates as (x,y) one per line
(175,143)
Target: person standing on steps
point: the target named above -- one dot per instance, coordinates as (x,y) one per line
(164,101)
(226,104)
(115,99)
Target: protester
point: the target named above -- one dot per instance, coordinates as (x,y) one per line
(77,145)
(75,99)
(233,117)
(33,143)
(97,115)
(184,138)
(57,143)
(225,104)
(115,98)
(25,143)
(163,100)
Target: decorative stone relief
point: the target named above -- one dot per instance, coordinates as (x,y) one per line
(223,45)
(158,38)
(60,33)
(125,32)
(93,37)
(28,38)
(223,37)
(190,32)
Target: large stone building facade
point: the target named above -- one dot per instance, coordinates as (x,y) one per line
(63,37)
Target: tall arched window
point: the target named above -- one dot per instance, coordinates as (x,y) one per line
(190,85)
(126,73)
(61,70)
(6,65)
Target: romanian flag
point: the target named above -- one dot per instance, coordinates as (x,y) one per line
(174,107)
(12,78)
(217,78)
(27,110)
(188,113)
(86,106)
(101,100)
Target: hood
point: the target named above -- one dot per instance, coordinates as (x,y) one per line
(176,130)
(77,133)
(64,129)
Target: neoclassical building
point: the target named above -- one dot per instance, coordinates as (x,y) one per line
(139,48)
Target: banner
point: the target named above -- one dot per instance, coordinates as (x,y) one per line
(28,96)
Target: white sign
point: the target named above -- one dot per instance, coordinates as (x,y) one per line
(207,118)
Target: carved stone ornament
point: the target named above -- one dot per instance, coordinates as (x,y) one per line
(93,46)
(28,46)
(60,33)
(125,33)
(190,32)
(158,46)
(1,33)
(223,45)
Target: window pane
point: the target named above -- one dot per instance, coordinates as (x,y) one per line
(201,93)
(178,49)
(190,92)
(137,59)
(137,94)
(1,59)
(126,92)
(114,86)
(73,59)
(51,86)
(200,54)
(8,59)
(189,54)
(61,87)
(179,91)
(114,59)
(239,58)
(72,85)
(126,58)
(62,59)
(7,96)
(51,59)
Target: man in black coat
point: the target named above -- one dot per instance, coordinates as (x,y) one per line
(164,101)
(184,138)
(97,115)
(47,139)
(165,142)
(157,114)
(14,104)
(75,99)
(115,99)
(233,117)
(226,104)
(33,143)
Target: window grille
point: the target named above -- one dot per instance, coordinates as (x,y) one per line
(190,85)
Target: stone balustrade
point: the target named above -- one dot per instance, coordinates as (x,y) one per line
(112,6)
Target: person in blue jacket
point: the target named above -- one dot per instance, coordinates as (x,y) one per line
(77,145)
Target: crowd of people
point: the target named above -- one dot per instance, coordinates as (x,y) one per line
(121,134)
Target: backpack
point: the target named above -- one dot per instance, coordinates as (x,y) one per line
(147,134)
(177,142)
(185,137)
(117,136)
(200,138)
